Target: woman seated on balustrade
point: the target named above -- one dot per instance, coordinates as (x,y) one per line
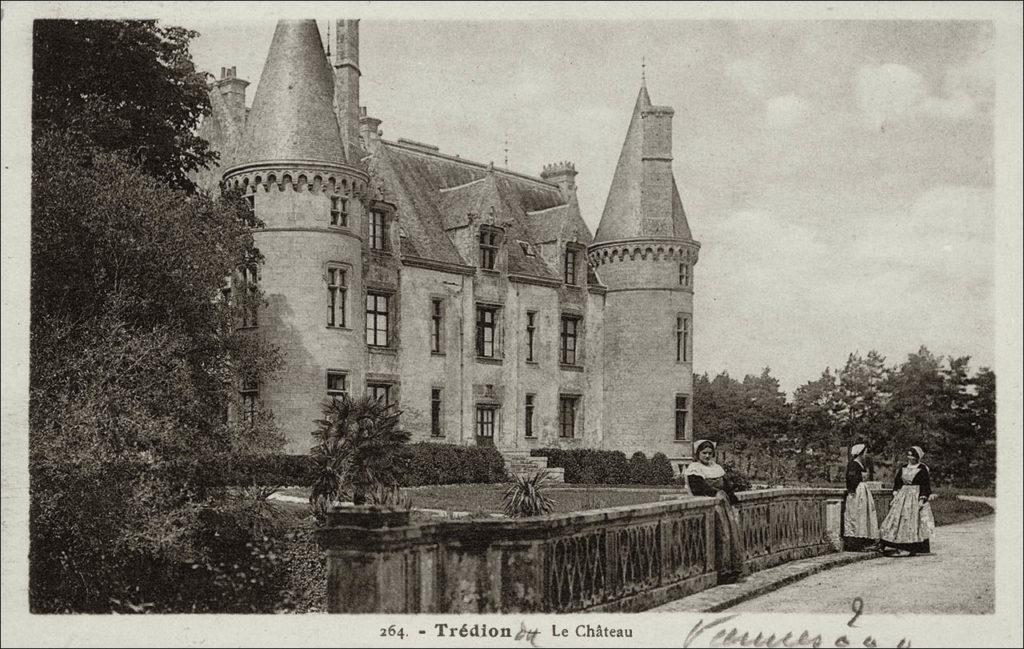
(909,524)
(705,477)
(860,520)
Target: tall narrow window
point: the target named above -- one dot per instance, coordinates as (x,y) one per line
(378,230)
(435,413)
(249,279)
(488,248)
(570,266)
(379,392)
(570,334)
(531,332)
(685,275)
(682,414)
(486,318)
(682,339)
(436,327)
(686,340)
(337,385)
(567,416)
(339,211)
(336,294)
(250,396)
(377,319)
(485,418)
(250,210)
(529,415)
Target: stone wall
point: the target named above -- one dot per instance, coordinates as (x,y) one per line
(618,559)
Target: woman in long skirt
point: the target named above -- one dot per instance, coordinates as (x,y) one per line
(860,520)
(909,525)
(705,477)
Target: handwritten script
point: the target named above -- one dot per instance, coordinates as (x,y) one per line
(527,635)
(724,634)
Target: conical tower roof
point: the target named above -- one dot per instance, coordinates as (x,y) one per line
(644,202)
(292,115)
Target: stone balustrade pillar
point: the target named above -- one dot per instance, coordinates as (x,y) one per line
(377,562)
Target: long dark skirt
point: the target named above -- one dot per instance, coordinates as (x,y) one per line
(729,549)
(921,547)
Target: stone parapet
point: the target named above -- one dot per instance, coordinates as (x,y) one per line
(617,559)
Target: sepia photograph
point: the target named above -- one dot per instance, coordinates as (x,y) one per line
(491,324)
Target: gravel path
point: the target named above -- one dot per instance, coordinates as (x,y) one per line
(958,577)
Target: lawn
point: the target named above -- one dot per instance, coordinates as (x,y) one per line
(487,498)
(948,509)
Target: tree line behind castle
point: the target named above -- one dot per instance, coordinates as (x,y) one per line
(144,497)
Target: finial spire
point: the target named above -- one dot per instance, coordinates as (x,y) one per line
(643,70)
(506,149)
(328,39)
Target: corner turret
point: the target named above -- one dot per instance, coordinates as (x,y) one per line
(644,253)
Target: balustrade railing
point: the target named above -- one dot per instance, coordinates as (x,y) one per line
(624,558)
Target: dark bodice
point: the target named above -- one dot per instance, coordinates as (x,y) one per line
(922,479)
(854,476)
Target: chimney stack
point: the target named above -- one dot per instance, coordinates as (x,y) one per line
(369,130)
(657,136)
(564,175)
(232,89)
(346,80)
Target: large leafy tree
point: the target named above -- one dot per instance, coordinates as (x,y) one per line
(135,356)
(981,463)
(128,86)
(860,404)
(815,438)
(750,417)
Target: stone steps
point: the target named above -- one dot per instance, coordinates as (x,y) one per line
(521,463)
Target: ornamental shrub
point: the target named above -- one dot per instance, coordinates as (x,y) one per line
(659,470)
(432,464)
(588,466)
(638,468)
(526,497)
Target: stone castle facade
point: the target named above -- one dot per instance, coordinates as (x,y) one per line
(474,297)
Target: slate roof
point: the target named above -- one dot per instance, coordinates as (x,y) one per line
(624,214)
(563,222)
(292,115)
(292,118)
(435,193)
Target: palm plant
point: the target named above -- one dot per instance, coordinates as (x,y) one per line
(360,451)
(525,496)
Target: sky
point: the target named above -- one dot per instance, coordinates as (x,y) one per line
(838,174)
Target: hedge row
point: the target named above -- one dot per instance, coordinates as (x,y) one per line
(591,466)
(429,464)
(454,464)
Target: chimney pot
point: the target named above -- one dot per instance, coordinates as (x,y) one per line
(564,175)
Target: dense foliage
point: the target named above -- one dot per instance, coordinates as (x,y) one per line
(592,466)
(933,402)
(128,86)
(360,453)
(135,360)
(436,464)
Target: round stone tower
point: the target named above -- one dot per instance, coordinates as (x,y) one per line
(644,253)
(306,188)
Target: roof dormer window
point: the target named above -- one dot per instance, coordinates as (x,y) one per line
(489,242)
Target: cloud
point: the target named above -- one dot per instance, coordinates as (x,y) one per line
(920,274)
(787,111)
(892,92)
(750,75)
